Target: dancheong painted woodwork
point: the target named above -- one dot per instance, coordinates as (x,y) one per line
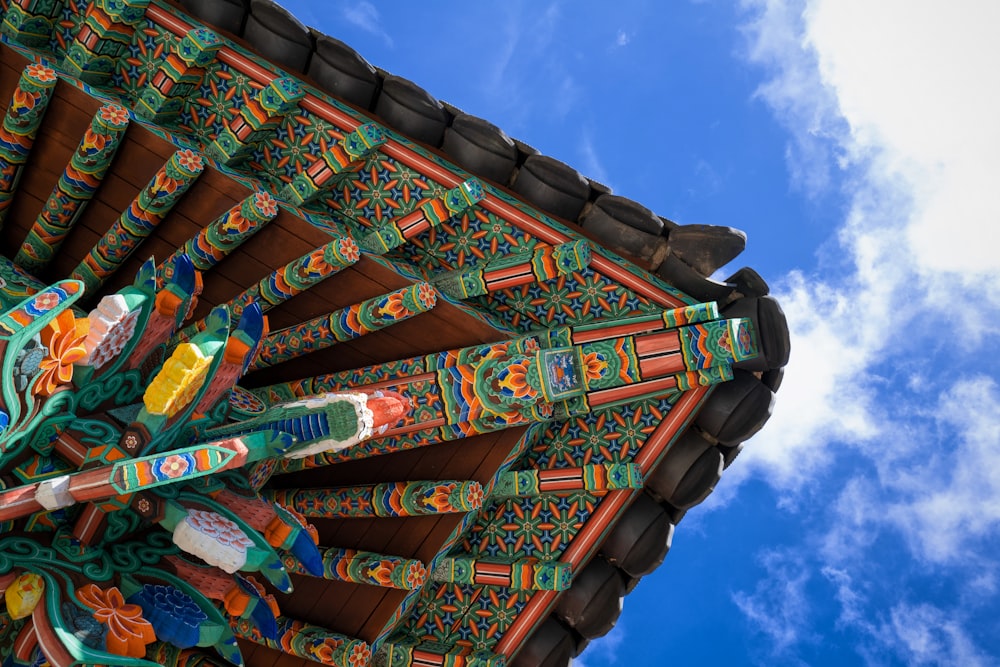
(301,366)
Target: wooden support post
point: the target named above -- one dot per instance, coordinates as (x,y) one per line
(178,75)
(310,642)
(597,478)
(76,186)
(345,324)
(31,22)
(225,234)
(366,567)
(256,120)
(20,125)
(343,158)
(545,262)
(523,573)
(456,201)
(388,499)
(433,654)
(139,220)
(103,36)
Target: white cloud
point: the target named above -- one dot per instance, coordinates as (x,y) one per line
(915,80)
(923,634)
(365,15)
(916,633)
(889,393)
(779,607)
(946,506)
(860,92)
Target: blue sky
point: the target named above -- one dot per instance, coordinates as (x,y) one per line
(856,145)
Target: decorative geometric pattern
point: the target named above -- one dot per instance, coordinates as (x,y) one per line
(509,266)
(23,118)
(139,220)
(75,188)
(346,324)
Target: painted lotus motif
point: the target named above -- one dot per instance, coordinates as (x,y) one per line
(128,632)
(213,538)
(174,615)
(64,338)
(173,466)
(266,204)
(113,114)
(40,73)
(112,326)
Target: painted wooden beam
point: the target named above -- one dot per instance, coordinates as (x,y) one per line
(522,573)
(224,234)
(138,221)
(387,499)
(75,188)
(597,478)
(104,36)
(256,120)
(545,262)
(345,324)
(282,284)
(31,22)
(367,567)
(24,116)
(456,201)
(311,642)
(434,654)
(343,158)
(178,75)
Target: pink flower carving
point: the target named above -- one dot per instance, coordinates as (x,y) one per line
(190,160)
(427,295)
(266,204)
(348,249)
(224,531)
(41,73)
(174,466)
(113,114)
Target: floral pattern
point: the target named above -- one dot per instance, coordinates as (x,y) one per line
(213,538)
(174,615)
(416,575)
(113,114)
(190,160)
(128,632)
(266,204)
(64,338)
(427,294)
(225,531)
(173,466)
(112,326)
(360,655)
(349,250)
(474,496)
(41,73)
(44,302)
